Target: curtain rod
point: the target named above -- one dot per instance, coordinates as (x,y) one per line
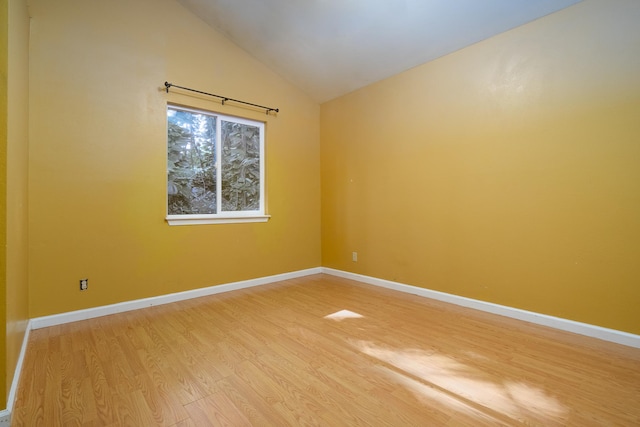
(167,85)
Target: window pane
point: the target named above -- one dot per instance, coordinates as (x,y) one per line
(191,184)
(240,166)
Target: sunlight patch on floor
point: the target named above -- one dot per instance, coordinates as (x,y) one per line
(431,396)
(343,314)
(463,387)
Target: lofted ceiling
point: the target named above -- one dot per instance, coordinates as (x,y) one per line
(328,48)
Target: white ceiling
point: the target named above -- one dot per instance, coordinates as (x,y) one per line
(331,47)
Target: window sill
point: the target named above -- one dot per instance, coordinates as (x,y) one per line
(201,219)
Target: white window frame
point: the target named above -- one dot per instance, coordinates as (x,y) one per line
(223,217)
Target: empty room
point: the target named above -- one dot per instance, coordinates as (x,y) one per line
(323,213)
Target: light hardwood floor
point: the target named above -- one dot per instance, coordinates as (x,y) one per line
(324,351)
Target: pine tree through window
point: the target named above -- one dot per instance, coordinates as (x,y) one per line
(215,168)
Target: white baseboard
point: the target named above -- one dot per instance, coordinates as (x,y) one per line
(90,313)
(606,334)
(5,414)
(5,418)
(586,329)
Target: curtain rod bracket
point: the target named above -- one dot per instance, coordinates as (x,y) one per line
(167,85)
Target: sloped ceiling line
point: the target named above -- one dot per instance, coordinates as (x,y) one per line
(328,48)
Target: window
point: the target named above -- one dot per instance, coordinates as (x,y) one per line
(215,168)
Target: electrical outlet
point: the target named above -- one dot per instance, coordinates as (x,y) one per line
(354,256)
(84,284)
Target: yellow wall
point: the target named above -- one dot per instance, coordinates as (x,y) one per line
(507,172)
(98,157)
(17,293)
(4,24)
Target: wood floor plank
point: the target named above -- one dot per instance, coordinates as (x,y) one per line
(254,406)
(216,410)
(164,410)
(325,351)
